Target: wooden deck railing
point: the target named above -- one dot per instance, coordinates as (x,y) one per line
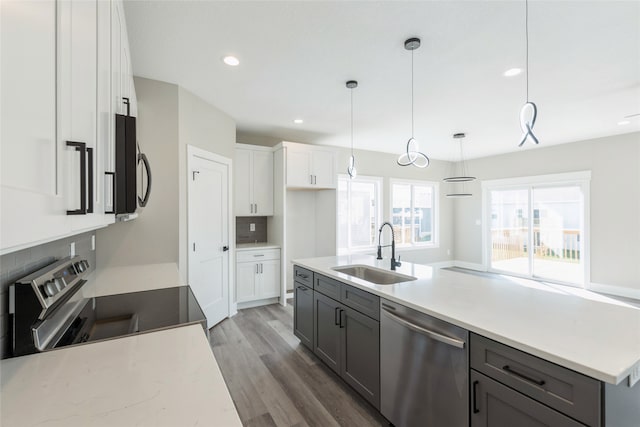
(508,243)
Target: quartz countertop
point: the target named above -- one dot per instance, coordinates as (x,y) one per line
(253,246)
(589,333)
(131,278)
(167,378)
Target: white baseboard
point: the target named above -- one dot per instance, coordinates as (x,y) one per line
(258,303)
(615,290)
(441,264)
(469,265)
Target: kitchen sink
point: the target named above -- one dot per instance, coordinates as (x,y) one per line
(373,275)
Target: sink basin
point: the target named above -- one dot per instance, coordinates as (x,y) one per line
(373,275)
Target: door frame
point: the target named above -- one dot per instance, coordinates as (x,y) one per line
(192,153)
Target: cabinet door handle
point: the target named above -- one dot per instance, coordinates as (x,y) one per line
(81,147)
(335,316)
(90,175)
(113,193)
(475,393)
(512,371)
(256,205)
(251,207)
(341,317)
(261,268)
(257,269)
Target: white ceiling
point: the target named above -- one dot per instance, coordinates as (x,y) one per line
(295,58)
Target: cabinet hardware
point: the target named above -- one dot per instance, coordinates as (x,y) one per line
(225,248)
(256,207)
(512,371)
(261,268)
(258,255)
(251,207)
(335,316)
(142,201)
(302,288)
(194,246)
(90,177)
(113,193)
(257,269)
(311,179)
(304,276)
(341,317)
(475,393)
(81,147)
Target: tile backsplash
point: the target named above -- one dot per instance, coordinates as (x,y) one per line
(243,229)
(18,264)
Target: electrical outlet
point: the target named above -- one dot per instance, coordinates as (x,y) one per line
(252,227)
(72,249)
(634,376)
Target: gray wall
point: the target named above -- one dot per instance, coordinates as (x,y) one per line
(153,237)
(15,265)
(614,163)
(204,126)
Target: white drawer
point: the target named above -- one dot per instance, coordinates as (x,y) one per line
(257,255)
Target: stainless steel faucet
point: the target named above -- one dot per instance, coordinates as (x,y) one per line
(394,263)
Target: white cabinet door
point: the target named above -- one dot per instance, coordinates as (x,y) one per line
(32,206)
(269,279)
(105,150)
(246,281)
(77,108)
(242,183)
(262,170)
(299,169)
(324,174)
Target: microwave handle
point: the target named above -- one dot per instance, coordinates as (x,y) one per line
(142,201)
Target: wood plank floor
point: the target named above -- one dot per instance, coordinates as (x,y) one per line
(276,381)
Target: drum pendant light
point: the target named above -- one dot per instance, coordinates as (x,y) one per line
(412,155)
(529,111)
(351,170)
(463,176)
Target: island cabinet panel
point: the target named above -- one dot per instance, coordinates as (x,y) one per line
(326,286)
(360,300)
(303,314)
(496,405)
(327,330)
(562,389)
(303,276)
(360,355)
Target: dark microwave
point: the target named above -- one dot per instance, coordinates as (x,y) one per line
(129,159)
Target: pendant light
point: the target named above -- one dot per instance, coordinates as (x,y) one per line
(412,155)
(529,111)
(463,176)
(351,170)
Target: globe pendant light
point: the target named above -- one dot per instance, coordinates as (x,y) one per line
(463,176)
(412,155)
(351,170)
(529,111)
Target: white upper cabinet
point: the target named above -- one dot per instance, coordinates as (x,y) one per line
(32,205)
(253,179)
(61,87)
(309,167)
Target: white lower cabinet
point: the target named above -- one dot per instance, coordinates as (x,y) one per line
(257,275)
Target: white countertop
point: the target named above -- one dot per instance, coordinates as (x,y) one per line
(591,334)
(253,246)
(132,278)
(167,378)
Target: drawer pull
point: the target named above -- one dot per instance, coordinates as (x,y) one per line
(302,288)
(258,255)
(510,370)
(304,276)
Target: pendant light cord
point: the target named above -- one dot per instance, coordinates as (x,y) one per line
(526,26)
(412,119)
(351,122)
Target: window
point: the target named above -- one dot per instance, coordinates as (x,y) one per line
(414,212)
(537,226)
(358,214)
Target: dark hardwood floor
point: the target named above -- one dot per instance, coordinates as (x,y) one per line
(276,381)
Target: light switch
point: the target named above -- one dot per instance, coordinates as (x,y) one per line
(252,227)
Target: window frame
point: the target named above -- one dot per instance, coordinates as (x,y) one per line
(435,242)
(580,178)
(378,212)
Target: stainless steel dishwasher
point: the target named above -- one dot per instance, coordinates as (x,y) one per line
(424,368)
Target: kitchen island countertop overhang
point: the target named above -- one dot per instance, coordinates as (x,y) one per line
(597,337)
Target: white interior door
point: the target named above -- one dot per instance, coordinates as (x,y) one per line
(209,233)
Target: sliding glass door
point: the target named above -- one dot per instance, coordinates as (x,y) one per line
(538,230)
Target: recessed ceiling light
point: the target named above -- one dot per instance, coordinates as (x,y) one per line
(512,72)
(298,121)
(624,122)
(231,60)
